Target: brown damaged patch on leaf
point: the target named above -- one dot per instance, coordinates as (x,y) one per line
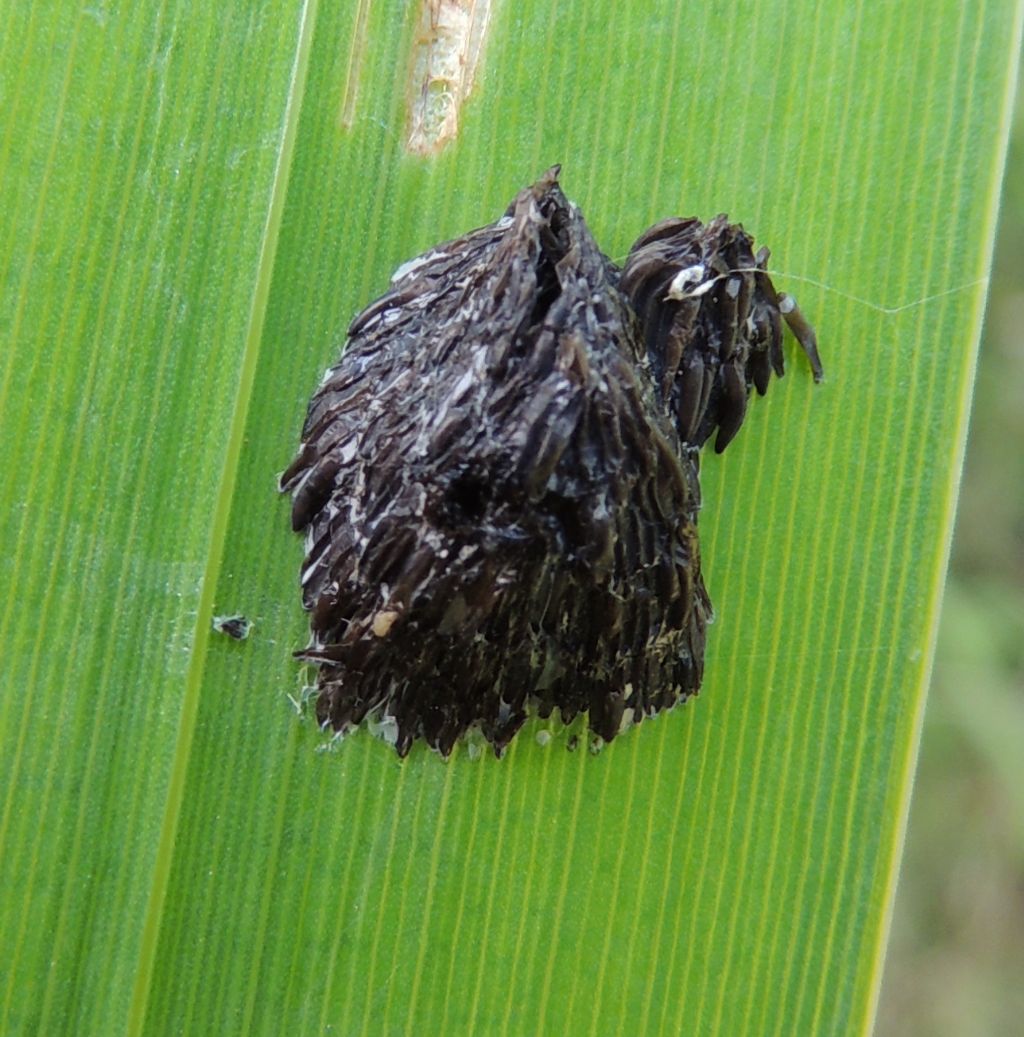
(445,56)
(356,56)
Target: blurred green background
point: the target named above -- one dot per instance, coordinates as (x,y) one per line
(956,957)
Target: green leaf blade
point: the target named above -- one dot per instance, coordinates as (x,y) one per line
(724,869)
(131,241)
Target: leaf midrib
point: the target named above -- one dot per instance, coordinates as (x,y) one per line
(219,527)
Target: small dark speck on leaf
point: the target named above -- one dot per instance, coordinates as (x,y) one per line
(236,627)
